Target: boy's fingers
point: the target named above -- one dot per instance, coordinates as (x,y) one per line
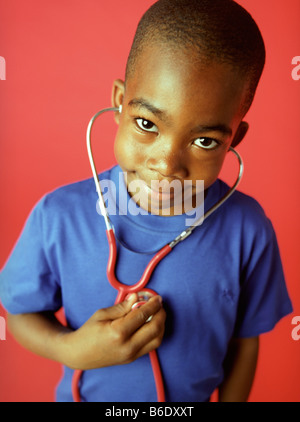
(149,336)
(139,316)
(116,311)
(127,321)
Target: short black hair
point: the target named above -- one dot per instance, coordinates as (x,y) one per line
(217,30)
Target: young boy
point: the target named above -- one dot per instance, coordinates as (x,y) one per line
(190,79)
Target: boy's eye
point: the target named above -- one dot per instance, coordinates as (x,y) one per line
(146,125)
(206,143)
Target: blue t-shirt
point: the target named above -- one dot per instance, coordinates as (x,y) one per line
(224,280)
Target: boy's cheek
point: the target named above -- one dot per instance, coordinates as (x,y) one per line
(127,153)
(209,172)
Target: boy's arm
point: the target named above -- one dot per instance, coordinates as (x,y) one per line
(239,369)
(112,336)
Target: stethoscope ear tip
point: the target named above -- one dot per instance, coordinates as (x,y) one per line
(120,109)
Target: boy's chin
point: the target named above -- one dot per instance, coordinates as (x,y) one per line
(163,208)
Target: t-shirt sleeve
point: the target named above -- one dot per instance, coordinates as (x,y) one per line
(27,283)
(264,298)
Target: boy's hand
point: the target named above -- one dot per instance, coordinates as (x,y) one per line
(116,335)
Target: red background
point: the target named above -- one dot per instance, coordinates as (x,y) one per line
(61,58)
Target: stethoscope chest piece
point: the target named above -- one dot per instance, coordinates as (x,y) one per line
(143,297)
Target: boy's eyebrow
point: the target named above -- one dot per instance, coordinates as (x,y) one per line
(142,103)
(162,115)
(224,129)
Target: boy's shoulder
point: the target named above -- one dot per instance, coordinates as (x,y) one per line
(74,193)
(239,201)
(245,213)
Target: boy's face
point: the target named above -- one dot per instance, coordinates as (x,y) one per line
(177,123)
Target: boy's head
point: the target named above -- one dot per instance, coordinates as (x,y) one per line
(190,78)
(212,30)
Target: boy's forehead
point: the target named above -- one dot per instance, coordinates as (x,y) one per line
(180,78)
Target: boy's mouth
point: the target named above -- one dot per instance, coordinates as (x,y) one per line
(159,194)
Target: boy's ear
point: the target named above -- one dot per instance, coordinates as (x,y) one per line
(240,134)
(117,96)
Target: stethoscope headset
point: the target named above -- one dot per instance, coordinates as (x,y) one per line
(140,287)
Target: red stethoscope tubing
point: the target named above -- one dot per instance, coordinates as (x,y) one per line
(123,291)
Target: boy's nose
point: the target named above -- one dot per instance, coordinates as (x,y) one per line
(166,158)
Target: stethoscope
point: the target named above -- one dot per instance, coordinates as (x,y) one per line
(140,287)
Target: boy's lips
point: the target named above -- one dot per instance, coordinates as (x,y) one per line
(161,194)
(163,190)
(169,197)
